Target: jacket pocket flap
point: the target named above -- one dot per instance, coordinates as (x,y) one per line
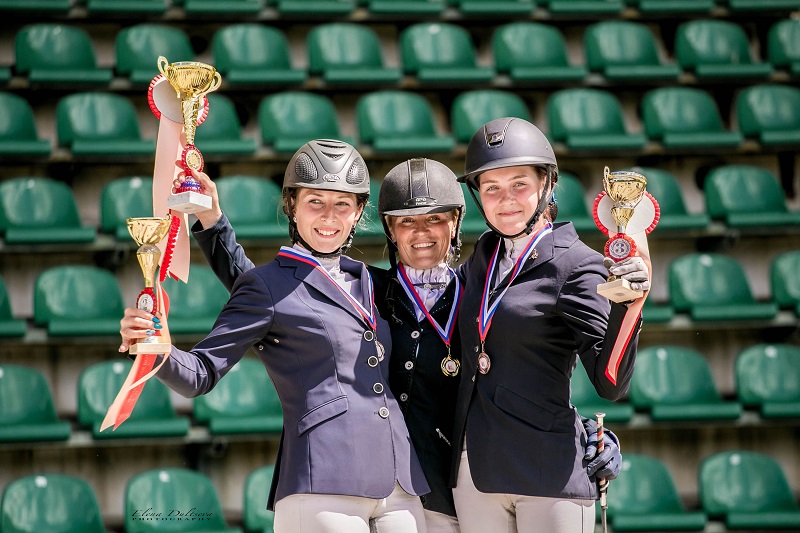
(321,413)
(523,408)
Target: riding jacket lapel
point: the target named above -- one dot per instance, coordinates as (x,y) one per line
(544,253)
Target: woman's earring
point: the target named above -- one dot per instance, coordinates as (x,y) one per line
(294,219)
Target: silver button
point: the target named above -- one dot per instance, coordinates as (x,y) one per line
(276,341)
(372,361)
(404,397)
(409,365)
(369,336)
(378,388)
(473,379)
(414,334)
(260,346)
(383,412)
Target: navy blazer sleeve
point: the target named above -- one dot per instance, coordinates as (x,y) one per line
(225,256)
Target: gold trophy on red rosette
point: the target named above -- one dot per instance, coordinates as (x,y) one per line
(626,213)
(192,81)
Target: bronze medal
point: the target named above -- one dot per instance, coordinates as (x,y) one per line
(484,363)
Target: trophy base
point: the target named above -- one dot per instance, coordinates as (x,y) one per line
(150,347)
(618,291)
(189,202)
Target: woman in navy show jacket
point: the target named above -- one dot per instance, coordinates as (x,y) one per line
(346,463)
(530,309)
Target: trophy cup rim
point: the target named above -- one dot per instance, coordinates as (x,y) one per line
(160,228)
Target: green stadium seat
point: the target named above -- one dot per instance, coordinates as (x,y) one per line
(737,6)
(771,113)
(18,128)
(784,280)
(27,412)
(127,7)
(251,53)
(173,488)
(5,74)
(749,490)
(473,224)
(221,132)
(585,7)
(226,7)
(406,7)
(100,124)
(344,52)
(656,313)
(659,7)
(57,54)
(717,49)
(586,400)
(746,196)
(441,52)
(623,50)
(252,205)
(256,493)
(571,198)
(124,198)
(91,294)
(194,306)
(48,6)
(138,47)
(315,7)
(370,224)
(9,326)
(714,287)
(645,499)
(531,51)
(666,190)
(50,502)
(292,118)
(383,264)
(768,376)
(244,401)
(675,383)
(686,118)
(472,109)
(40,211)
(496,7)
(783,45)
(396,121)
(590,119)
(153,416)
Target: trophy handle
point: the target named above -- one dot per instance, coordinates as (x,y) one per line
(162,64)
(217,82)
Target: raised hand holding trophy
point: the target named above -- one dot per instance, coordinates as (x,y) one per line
(625,212)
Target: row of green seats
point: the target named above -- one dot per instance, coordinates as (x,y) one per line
(245,402)
(401,7)
(675,383)
(684,119)
(67,503)
(349,53)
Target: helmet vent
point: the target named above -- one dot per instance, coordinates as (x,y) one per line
(304,168)
(332,156)
(357,172)
(334,146)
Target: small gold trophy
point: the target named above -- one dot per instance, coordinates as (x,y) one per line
(147,232)
(191,81)
(623,192)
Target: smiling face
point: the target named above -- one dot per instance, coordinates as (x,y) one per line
(423,240)
(325,218)
(509,196)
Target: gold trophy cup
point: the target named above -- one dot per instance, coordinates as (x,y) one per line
(192,81)
(625,189)
(147,232)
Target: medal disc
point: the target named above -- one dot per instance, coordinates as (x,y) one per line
(450,366)
(380,349)
(484,363)
(146,301)
(620,247)
(192,158)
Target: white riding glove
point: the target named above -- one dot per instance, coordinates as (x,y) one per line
(632,269)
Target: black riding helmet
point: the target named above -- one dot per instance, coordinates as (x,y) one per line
(509,142)
(420,187)
(325,164)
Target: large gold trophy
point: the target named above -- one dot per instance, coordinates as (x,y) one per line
(147,232)
(620,212)
(192,81)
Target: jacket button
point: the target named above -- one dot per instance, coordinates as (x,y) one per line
(415,334)
(404,397)
(409,365)
(260,346)
(372,361)
(383,412)
(369,336)
(378,388)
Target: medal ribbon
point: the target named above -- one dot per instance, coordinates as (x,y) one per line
(368,315)
(487,311)
(446,332)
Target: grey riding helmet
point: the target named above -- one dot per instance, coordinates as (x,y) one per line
(421,187)
(331,165)
(509,142)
